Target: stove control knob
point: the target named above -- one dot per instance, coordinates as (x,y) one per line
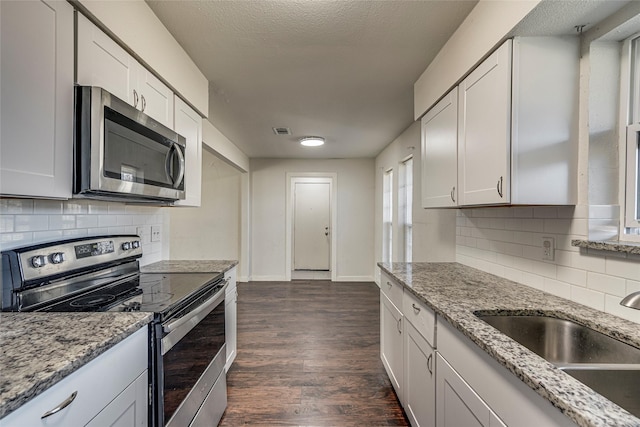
(135,244)
(126,246)
(39,261)
(57,257)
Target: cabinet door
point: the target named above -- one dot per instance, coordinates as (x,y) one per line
(156,99)
(456,402)
(128,409)
(485,131)
(102,62)
(188,123)
(391,350)
(36,87)
(231,326)
(440,153)
(419,379)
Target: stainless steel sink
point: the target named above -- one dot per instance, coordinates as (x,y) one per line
(608,366)
(620,386)
(563,342)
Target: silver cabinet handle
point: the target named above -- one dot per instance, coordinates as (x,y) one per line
(144,103)
(135,99)
(415,308)
(430,364)
(453,197)
(499,187)
(389,284)
(61,406)
(400,325)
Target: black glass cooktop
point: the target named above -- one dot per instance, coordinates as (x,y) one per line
(149,292)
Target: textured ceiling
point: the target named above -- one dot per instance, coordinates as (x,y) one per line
(343,70)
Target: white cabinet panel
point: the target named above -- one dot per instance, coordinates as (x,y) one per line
(128,409)
(485,126)
(156,99)
(231,317)
(391,342)
(104,63)
(419,399)
(440,153)
(188,123)
(420,316)
(392,290)
(36,97)
(457,404)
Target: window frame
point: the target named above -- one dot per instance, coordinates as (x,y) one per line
(405,214)
(387,215)
(630,137)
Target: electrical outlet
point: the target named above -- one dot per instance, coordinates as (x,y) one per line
(548,248)
(140,231)
(156,233)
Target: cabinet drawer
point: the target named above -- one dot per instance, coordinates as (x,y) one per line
(392,289)
(420,316)
(96,384)
(230,275)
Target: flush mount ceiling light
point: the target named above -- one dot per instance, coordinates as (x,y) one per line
(311,141)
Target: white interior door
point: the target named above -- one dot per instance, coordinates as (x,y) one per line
(312,226)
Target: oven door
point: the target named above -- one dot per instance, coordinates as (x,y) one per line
(193,356)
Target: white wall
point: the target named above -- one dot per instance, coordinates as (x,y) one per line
(433,229)
(355,216)
(211,231)
(28,221)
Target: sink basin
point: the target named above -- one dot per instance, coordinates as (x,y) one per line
(563,342)
(620,386)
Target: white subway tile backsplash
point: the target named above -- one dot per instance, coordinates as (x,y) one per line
(612,305)
(97,208)
(557,287)
(75,207)
(77,232)
(124,219)
(606,284)
(588,297)
(545,212)
(48,207)
(545,269)
(533,280)
(16,206)
(31,223)
(629,269)
(535,225)
(588,263)
(62,222)
(86,221)
(107,220)
(6,223)
(47,236)
(632,286)
(572,275)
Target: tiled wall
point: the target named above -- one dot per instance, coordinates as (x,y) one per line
(507,242)
(28,221)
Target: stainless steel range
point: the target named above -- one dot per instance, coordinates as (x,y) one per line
(187,348)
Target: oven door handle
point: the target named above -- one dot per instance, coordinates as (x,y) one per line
(199,313)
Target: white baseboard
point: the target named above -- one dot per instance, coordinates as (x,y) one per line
(354,279)
(268,279)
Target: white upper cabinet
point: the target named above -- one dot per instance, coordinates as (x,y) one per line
(440,153)
(517,131)
(188,123)
(104,63)
(36,87)
(485,106)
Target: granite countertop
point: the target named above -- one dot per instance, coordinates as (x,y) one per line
(190,266)
(455,292)
(39,349)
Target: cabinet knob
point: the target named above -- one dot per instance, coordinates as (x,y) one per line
(415,308)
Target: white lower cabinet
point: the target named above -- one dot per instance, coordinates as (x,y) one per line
(111,390)
(419,378)
(457,404)
(391,342)
(473,389)
(231,318)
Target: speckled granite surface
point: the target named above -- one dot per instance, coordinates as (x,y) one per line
(39,349)
(189,266)
(455,292)
(624,247)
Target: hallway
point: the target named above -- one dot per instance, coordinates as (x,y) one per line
(309,354)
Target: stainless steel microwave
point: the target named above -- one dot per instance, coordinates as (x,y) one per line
(121,154)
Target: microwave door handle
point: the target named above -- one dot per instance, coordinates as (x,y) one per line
(178,180)
(167,163)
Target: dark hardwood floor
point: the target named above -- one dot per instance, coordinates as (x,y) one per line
(309,355)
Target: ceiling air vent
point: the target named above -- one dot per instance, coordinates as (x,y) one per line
(282,131)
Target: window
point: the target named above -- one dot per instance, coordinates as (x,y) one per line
(632,183)
(387,216)
(405,201)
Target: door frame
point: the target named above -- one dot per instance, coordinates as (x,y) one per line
(311,177)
